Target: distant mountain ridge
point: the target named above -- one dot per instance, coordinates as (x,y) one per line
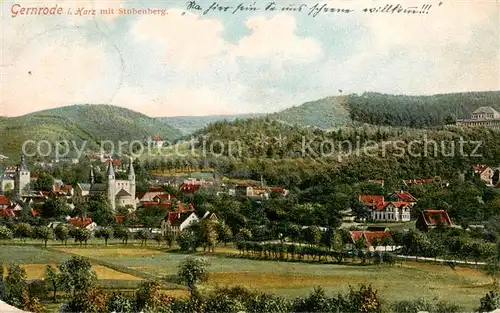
(190,124)
(91,123)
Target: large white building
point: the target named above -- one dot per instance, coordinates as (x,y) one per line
(118,192)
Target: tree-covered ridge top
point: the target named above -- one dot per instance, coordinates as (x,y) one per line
(92,123)
(369,107)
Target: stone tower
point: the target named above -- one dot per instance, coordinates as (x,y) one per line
(111,185)
(131,178)
(91,175)
(21,178)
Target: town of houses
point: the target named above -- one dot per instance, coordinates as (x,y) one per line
(394,208)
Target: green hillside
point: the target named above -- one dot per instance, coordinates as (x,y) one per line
(385,109)
(190,124)
(325,113)
(418,111)
(91,123)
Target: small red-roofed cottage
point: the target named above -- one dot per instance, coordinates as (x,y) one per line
(371,201)
(405,196)
(432,218)
(377,181)
(189,188)
(83,223)
(369,238)
(485,173)
(178,221)
(4,202)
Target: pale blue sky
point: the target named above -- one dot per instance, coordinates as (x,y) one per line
(248,62)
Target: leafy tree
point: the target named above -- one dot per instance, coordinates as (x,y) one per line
(158,238)
(121,233)
(169,238)
(188,240)
(244,235)
(99,209)
(23,231)
(364,300)
(44,233)
(45,182)
(81,235)
(143,236)
(61,233)
(208,234)
(120,304)
(90,300)
(104,233)
(55,207)
(312,235)
(52,278)
(490,302)
(149,295)
(77,275)
(15,286)
(223,303)
(5,233)
(317,301)
(193,271)
(224,232)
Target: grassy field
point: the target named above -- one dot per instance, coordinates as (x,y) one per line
(462,286)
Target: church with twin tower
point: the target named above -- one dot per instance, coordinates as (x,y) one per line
(120,193)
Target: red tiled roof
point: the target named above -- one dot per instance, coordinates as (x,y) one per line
(381,206)
(176,218)
(399,204)
(149,204)
(405,196)
(369,235)
(34,212)
(479,168)
(187,188)
(121,218)
(80,222)
(4,200)
(371,200)
(434,217)
(155,188)
(156,138)
(67,188)
(116,162)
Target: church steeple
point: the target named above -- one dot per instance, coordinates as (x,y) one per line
(131,172)
(23,166)
(111,170)
(91,175)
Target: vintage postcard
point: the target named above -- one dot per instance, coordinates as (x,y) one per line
(249,156)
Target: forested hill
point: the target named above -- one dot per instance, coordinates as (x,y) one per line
(91,123)
(325,113)
(390,110)
(190,124)
(418,111)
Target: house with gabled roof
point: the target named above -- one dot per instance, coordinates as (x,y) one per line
(484,172)
(4,202)
(371,200)
(405,196)
(178,221)
(369,238)
(429,219)
(377,181)
(83,222)
(395,211)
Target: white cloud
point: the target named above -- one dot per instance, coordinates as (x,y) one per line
(275,38)
(188,40)
(50,73)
